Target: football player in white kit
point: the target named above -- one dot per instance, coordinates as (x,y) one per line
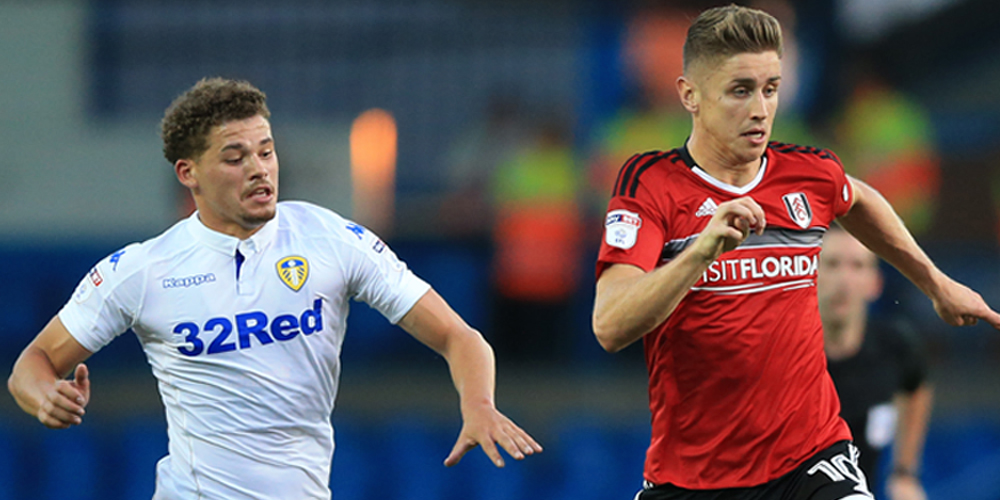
(241,311)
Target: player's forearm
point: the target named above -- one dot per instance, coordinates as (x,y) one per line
(33,375)
(915,412)
(873,221)
(473,368)
(629,307)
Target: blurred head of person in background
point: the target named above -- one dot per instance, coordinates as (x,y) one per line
(849,280)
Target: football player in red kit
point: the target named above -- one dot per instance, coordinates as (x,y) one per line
(710,256)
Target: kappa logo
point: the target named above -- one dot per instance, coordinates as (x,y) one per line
(799,209)
(708,208)
(115,257)
(189,281)
(356,229)
(293,271)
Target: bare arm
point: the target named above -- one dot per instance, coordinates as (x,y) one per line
(873,222)
(914,413)
(470,359)
(630,302)
(37,379)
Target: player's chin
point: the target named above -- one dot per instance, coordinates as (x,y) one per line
(259,215)
(747,151)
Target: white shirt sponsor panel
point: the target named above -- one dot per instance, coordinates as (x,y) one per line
(247,367)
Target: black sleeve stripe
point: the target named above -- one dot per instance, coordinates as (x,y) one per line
(625,178)
(825,154)
(618,180)
(634,185)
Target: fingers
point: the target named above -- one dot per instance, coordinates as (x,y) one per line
(462,446)
(502,431)
(519,443)
(744,208)
(62,406)
(82,376)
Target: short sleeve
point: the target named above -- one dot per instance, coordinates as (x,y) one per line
(106,300)
(378,278)
(633,232)
(911,354)
(844,192)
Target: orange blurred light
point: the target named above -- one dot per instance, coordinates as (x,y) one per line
(373,169)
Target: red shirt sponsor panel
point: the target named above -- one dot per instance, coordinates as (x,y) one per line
(738,387)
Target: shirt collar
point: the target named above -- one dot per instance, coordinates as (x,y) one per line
(228,244)
(737,190)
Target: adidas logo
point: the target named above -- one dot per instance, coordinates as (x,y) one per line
(707,208)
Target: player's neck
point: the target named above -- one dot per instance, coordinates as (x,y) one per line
(221,225)
(843,339)
(719,162)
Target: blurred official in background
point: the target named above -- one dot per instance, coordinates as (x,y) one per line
(878,365)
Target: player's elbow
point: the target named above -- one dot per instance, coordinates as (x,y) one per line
(609,335)
(11,386)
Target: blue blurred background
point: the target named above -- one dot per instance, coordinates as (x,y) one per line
(507,113)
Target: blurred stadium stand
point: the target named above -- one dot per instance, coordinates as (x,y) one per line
(82,178)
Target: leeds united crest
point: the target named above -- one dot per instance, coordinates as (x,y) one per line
(293,271)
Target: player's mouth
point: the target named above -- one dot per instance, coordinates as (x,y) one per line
(261,194)
(757,136)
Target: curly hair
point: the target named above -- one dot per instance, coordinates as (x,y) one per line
(730,30)
(211,102)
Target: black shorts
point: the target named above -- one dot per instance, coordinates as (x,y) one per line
(831,474)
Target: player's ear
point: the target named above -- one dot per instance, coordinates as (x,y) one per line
(184,169)
(688,94)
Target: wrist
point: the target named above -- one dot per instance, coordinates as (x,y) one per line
(476,404)
(904,471)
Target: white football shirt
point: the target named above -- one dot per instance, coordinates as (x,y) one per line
(247,366)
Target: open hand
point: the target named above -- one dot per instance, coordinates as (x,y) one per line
(487,427)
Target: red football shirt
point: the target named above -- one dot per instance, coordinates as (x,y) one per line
(738,387)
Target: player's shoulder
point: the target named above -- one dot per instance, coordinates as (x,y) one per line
(645,168)
(803,154)
(313,221)
(138,256)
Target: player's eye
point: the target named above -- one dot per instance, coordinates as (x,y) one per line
(267,153)
(233,161)
(740,92)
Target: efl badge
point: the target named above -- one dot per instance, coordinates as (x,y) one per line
(95,277)
(293,271)
(798,208)
(621,228)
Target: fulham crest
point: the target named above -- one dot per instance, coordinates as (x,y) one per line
(799,209)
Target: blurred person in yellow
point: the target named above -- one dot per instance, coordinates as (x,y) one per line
(241,310)
(472,162)
(537,245)
(877,364)
(886,139)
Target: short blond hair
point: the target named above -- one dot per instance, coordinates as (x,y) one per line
(730,30)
